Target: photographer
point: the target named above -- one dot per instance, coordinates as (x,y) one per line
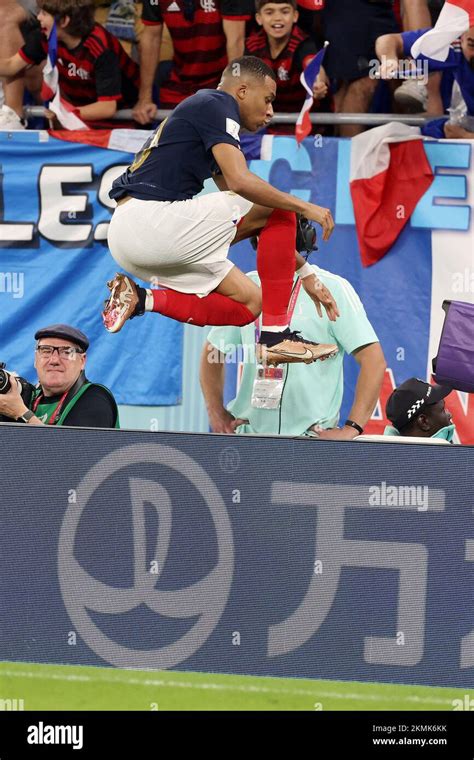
(64,396)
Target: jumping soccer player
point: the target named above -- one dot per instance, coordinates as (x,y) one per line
(161,232)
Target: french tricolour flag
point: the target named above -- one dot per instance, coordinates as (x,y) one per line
(389,174)
(50,88)
(307,79)
(455,18)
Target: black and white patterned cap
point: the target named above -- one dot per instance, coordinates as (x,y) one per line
(410,398)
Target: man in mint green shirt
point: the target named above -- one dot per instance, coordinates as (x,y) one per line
(312,394)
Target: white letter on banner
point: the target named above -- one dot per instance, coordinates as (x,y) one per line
(13,232)
(107,178)
(54,203)
(409,560)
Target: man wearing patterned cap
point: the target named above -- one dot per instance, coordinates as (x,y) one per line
(417,409)
(63,396)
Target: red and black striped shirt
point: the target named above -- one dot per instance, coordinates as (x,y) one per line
(97,69)
(287,66)
(199,43)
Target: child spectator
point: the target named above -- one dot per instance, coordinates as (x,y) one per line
(287,50)
(15,23)
(206,34)
(95,74)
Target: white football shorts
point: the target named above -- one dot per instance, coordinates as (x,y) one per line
(181,245)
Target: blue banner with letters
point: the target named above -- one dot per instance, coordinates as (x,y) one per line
(55,264)
(238,554)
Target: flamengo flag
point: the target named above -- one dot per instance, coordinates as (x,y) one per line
(389,174)
(307,79)
(50,88)
(455,18)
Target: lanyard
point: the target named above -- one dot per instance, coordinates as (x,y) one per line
(56,412)
(291,309)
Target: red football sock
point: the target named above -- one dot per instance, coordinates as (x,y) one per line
(276,266)
(214,309)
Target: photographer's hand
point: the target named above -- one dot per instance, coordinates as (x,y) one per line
(12,404)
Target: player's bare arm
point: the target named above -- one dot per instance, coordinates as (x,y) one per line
(240,180)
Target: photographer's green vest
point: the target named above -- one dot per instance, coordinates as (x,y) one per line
(56,412)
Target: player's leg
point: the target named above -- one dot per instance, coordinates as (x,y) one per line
(236,301)
(183,248)
(276,230)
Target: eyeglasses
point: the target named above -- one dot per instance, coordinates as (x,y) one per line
(64,352)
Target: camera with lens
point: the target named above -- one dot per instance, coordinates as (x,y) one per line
(26,388)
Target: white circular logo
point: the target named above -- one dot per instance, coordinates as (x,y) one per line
(206,598)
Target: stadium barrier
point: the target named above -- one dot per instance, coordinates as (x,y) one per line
(368,119)
(249,555)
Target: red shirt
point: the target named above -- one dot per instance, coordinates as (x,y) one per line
(287,66)
(97,69)
(199,42)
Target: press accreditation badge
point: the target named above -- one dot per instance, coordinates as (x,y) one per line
(268,387)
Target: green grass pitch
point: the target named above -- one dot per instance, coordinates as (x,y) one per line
(65,687)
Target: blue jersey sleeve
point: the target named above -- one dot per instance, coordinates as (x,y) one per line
(409,38)
(216,124)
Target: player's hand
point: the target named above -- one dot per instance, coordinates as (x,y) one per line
(322,216)
(321,295)
(388,68)
(144,111)
(222,421)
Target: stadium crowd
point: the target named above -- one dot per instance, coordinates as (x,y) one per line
(150,55)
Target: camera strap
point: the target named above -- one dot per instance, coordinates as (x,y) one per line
(66,397)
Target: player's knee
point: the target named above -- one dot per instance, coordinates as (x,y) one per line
(280,216)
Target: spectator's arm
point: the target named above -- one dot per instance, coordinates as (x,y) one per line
(435,101)
(212,376)
(455,132)
(369,383)
(234,31)
(9,67)
(372,365)
(101,109)
(415,14)
(150,47)
(389,49)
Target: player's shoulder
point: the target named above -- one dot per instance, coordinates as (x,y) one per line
(208,105)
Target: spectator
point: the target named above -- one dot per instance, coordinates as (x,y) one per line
(64,395)
(310,395)
(417,409)
(15,24)
(412,95)
(95,74)
(206,34)
(287,50)
(352,27)
(459,64)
